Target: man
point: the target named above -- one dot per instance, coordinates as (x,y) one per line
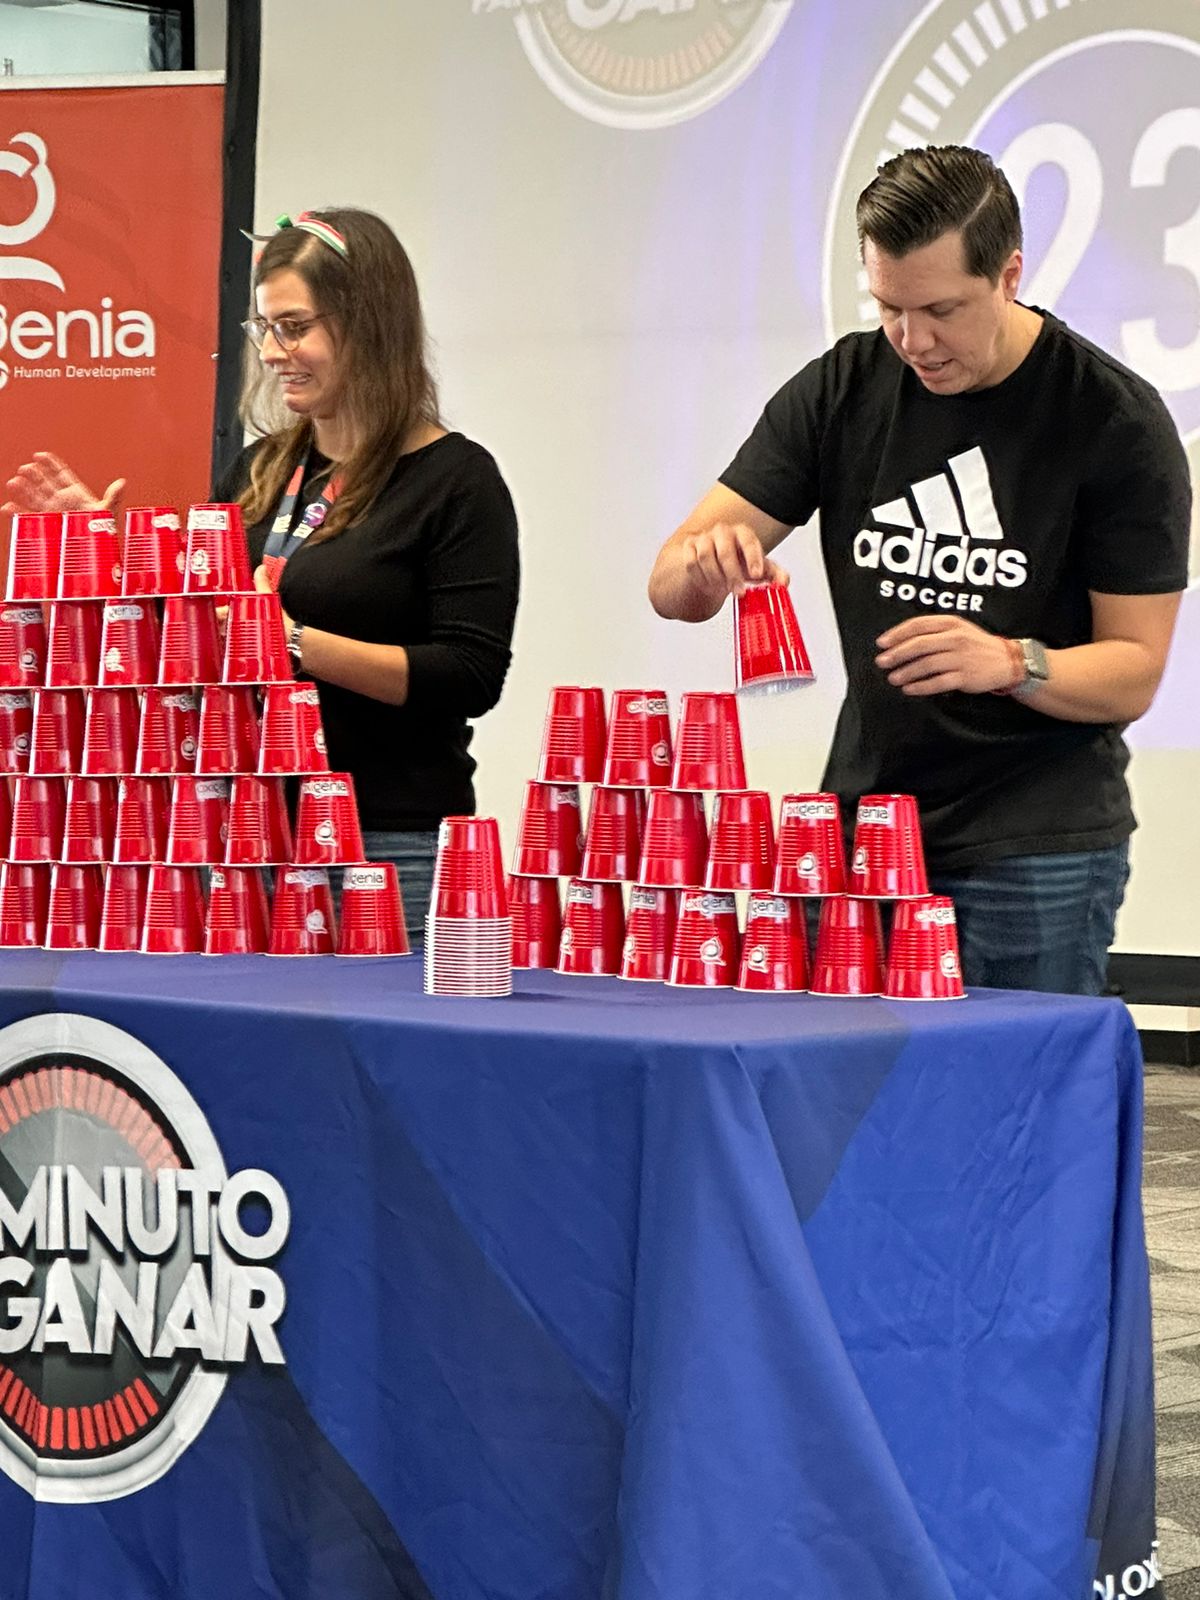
(1004,522)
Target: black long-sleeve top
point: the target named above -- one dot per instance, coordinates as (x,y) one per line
(433,567)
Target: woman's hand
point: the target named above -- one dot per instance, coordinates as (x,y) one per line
(48,484)
(262,582)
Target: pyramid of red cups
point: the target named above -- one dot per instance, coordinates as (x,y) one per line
(684,861)
(149,726)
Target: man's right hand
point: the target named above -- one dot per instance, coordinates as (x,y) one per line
(721,548)
(48,484)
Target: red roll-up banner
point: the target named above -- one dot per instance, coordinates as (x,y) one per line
(110,233)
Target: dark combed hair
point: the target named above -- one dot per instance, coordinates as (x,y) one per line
(370,297)
(919,195)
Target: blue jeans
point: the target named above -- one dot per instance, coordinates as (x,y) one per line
(414,855)
(1038,922)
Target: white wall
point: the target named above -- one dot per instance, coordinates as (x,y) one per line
(612,304)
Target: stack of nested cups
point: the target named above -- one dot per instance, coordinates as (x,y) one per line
(468,933)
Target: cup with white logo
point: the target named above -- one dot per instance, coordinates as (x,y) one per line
(775,946)
(302,921)
(707,942)
(810,858)
(372,915)
(638,753)
(888,857)
(923,960)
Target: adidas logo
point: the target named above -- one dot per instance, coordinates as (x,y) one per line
(945,528)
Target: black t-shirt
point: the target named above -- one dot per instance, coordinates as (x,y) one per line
(1005,506)
(433,567)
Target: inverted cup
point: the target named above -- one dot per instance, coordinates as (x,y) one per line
(649,934)
(574,736)
(23,647)
(143,807)
(76,897)
(593,935)
(707,943)
(239,919)
(57,743)
(110,731)
(302,922)
(923,960)
(34,549)
(190,652)
(612,849)
(260,832)
(90,560)
(168,732)
(550,833)
(154,553)
(674,841)
(39,812)
(174,919)
(24,904)
(888,858)
(769,653)
(810,857)
(91,816)
(228,742)
(199,824)
(775,947)
(849,954)
(293,738)
(741,845)
(708,744)
(255,641)
(327,826)
(372,912)
(128,645)
(536,913)
(124,908)
(638,753)
(216,560)
(16,730)
(73,645)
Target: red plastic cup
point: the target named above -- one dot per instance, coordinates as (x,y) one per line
(91,820)
(327,827)
(154,551)
(23,648)
(769,655)
(255,643)
(217,560)
(639,740)
(550,835)
(35,545)
(706,948)
(6,800)
(573,737)
(888,859)
(293,740)
(169,730)
(741,845)
(239,918)
(849,956)
(228,742)
(76,899)
(73,648)
(24,905)
(923,961)
(649,934)
(536,913)
(708,744)
(811,855)
(174,919)
(128,645)
(199,824)
(90,562)
(16,730)
(57,743)
(372,912)
(613,847)
(260,833)
(468,878)
(775,947)
(593,935)
(191,642)
(124,908)
(143,807)
(674,841)
(110,733)
(302,915)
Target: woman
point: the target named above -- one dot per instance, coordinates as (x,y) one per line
(392,541)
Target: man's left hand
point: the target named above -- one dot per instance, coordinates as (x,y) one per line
(933,655)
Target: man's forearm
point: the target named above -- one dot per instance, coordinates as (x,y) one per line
(678,593)
(1112,680)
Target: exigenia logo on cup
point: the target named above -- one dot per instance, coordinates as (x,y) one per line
(648,707)
(306,877)
(809,811)
(881,814)
(936,916)
(643,899)
(709,905)
(364,878)
(581,894)
(327,789)
(304,697)
(767,908)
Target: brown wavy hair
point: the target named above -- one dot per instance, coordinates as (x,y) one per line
(921,194)
(374,316)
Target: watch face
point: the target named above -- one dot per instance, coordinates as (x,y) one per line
(1033,652)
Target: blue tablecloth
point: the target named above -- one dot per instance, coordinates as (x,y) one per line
(613,1292)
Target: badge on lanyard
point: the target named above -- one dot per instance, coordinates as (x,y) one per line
(284,539)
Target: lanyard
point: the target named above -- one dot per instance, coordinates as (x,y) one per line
(284,540)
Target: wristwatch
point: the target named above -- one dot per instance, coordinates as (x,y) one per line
(295,646)
(1035,663)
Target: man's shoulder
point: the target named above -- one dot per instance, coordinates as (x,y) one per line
(1090,364)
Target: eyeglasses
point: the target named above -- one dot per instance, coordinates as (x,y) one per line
(288,331)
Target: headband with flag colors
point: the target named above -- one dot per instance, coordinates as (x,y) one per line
(314,225)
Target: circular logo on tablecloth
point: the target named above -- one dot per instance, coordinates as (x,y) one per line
(129,1283)
(642,63)
(1107,182)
